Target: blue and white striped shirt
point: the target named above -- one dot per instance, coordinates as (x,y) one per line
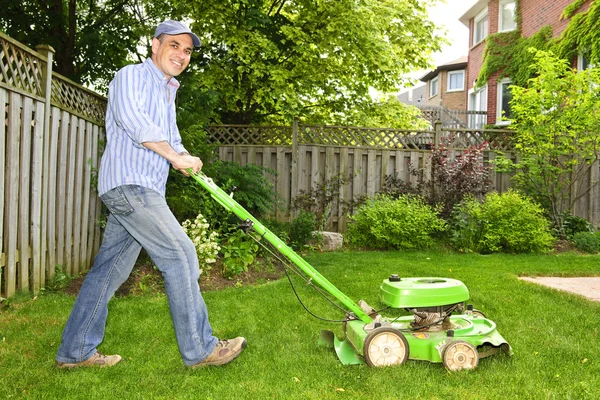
(141,108)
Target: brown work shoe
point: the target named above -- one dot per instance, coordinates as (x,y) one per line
(225,351)
(97,360)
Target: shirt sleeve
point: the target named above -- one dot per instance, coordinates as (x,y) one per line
(128,96)
(176,144)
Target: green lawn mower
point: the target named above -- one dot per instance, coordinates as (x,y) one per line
(440,326)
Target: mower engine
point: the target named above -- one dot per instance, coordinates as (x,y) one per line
(431,300)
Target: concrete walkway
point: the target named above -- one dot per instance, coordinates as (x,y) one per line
(588,287)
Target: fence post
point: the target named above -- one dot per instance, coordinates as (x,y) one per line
(294,166)
(437,136)
(42,171)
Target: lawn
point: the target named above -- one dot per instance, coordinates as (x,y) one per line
(554,336)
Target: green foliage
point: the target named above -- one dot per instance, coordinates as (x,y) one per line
(402,223)
(321,198)
(264,61)
(60,280)
(587,241)
(582,34)
(252,190)
(557,134)
(573,224)
(383,113)
(205,241)
(466,226)
(509,54)
(280,228)
(239,252)
(301,229)
(92,39)
(504,222)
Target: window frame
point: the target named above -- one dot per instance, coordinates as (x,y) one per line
(455,72)
(499,100)
(501,27)
(476,98)
(437,86)
(480,17)
(581,59)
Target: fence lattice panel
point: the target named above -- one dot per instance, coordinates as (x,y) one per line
(349,136)
(20,67)
(250,135)
(76,98)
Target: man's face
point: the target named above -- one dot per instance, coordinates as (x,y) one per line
(172,56)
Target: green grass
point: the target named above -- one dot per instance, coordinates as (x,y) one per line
(554,336)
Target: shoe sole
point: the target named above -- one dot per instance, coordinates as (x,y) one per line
(82,364)
(217,363)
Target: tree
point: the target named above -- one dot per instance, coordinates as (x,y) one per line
(557,134)
(92,38)
(269,61)
(260,60)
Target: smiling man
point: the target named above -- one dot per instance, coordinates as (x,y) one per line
(142,142)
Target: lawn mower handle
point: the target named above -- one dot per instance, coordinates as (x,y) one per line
(230,204)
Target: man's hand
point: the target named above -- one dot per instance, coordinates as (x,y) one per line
(181,161)
(185,161)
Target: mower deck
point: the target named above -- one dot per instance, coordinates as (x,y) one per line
(429,346)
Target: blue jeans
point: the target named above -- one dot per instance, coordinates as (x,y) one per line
(139,217)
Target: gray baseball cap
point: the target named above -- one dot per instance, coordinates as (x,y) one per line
(171,27)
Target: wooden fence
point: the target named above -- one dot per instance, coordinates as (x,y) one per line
(304,156)
(48,150)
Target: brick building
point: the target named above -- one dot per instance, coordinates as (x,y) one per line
(446,85)
(486,17)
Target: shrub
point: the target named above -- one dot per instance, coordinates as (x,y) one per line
(239,252)
(205,241)
(254,192)
(450,181)
(402,223)
(587,241)
(467,225)
(573,224)
(503,222)
(322,197)
(301,229)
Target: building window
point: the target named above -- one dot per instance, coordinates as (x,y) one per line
(478,106)
(433,87)
(503,114)
(481,27)
(456,80)
(583,62)
(507,16)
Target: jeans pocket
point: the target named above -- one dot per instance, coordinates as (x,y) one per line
(116,202)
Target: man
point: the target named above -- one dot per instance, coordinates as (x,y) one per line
(142,140)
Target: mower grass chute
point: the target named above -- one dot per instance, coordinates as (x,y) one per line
(440,326)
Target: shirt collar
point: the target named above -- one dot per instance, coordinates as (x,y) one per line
(159,76)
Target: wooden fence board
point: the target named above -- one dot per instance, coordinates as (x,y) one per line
(94,199)
(87,174)
(71,153)
(12,191)
(37,151)
(51,177)
(23,242)
(4,108)
(61,191)
(78,194)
